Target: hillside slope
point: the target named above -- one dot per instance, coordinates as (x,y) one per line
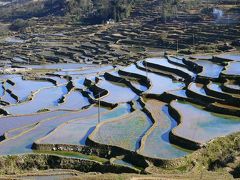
(93,11)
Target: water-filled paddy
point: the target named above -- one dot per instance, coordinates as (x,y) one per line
(24,88)
(132,69)
(39,101)
(139,86)
(210,69)
(135,82)
(74,100)
(217,88)
(113,89)
(231,57)
(125,132)
(233,68)
(23,143)
(200,125)
(197,88)
(157,143)
(92,70)
(13,122)
(17,132)
(77,131)
(5,77)
(159,84)
(56,79)
(179,93)
(163,62)
(176,60)
(8,98)
(79,82)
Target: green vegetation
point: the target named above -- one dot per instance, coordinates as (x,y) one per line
(95,12)
(220,153)
(20,24)
(32,9)
(169,9)
(219,150)
(73,155)
(87,11)
(4,29)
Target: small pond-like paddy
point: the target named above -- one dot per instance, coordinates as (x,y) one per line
(210,69)
(200,125)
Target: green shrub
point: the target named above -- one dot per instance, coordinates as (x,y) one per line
(19,24)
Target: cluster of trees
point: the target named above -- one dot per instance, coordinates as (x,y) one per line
(19,24)
(169,9)
(116,9)
(79,8)
(95,11)
(90,11)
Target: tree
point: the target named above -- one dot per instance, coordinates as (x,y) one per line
(169,9)
(19,24)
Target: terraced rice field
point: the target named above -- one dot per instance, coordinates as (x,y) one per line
(156,142)
(159,108)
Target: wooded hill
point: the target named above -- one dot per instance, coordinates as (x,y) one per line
(90,11)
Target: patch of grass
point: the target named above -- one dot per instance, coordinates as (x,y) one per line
(73,155)
(182,168)
(218,150)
